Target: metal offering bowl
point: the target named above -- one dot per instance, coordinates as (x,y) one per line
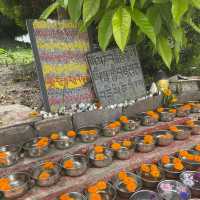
(107,194)
(124,153)
(145,195)
(110,132)
(188,180)
(101,163)
(169,170)
(53,178)
(32,151)
(191,165)
(132,124)
(173,190)
(143,148)
(80,163)
(121,189)
(75,196)
(87,138)
(184,132)
(181,113)
(20,184)
(196,128)
(195,106)
(161,141)
(147,120)
(12,155)
(64,142)
(167,116)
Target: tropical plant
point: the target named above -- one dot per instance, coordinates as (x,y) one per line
(161,21)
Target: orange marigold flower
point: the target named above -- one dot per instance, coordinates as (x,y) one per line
(176,161)
(131,187)
(92,132)
(122,175)
(3,155)
(101,185)
(65,197)
(185,107)
(95,196)
(197,158)
(111,125)
(148,139)
(190,157)
(160,109)
(197,147)
(124,119)
(167,92)
(173,129)
(44,175)
(116,146)
(54,136)
(178,166)
(117,123)
(165,159)
(183,153)
(145,168)
(68,164)
(152,114)
(190,123)
(100,156)
(42,142)
(83,132)
(172,110)
(71,134)
(155,173)
(5,184)
(153,167)
(48,165)
(127,143)
(92,189)
(99,149)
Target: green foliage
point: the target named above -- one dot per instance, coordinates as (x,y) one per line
(160,21)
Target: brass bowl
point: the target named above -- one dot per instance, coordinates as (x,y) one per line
(145,195)
(108,194)
(143,148)
(188,180)
(80,165)
(173,190)
(53,178)
(88,138)
(184,132)
(20,183)
(12,153)
(132,124)
(146,120)
(191,165)
(166,116)
(121,189)
(160,141)
(75,196)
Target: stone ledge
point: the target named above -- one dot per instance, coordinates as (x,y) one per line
(69,184)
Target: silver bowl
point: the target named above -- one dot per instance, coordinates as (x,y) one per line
(196,128)
(101,163)
(20,183)
(64,142)
(109,132)
(87,138)
(181,113)
(145,195)
(191,165)
(121,189)
(80,165)
(173,190)
(75,196)
(188,180)
(168,170)
(143,148)
(108,194)
(163,141)
(132,124)
(146,120)
(166,116)
(195,108)
(184,132)
(53,178)
(32,151)
(12,155)
(124,153)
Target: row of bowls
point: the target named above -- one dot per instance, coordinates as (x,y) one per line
(29,149)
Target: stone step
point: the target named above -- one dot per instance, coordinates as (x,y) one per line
(55,155)
(69,184)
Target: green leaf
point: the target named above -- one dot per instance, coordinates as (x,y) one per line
(2,51)
(177,50)
(105,30)
(196,3)
(164,50)
(132,3)
(90,9)
(74,8)
(160,1)
(179,8)
(65,3)
(193,25)
(143,23)
(154,17)
(142,3)
(121,23)
(49,10)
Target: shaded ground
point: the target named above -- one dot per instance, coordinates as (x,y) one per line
(18,82)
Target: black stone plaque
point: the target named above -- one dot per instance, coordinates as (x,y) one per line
(116,76)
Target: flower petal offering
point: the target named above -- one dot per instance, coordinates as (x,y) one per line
(129,124)
(166,114)
(184,110)
(163,137)
(180,132)
(145,143)
(72,196)
(111,129)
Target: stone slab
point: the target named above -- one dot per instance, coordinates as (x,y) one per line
(95,117)
(69,184)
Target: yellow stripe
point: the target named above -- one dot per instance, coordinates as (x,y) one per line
(37,24)
(47,69)
(80,45)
